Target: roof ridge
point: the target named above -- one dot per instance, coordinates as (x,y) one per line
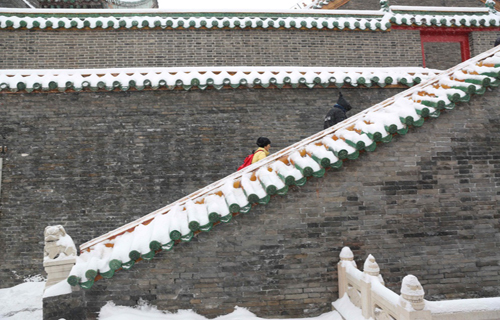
(363,20)
(238,192)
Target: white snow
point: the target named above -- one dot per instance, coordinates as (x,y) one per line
(174,76)
(269,178)
(452,306)
(57,289)
(197,212)
(286,170)
(217,204)
(305,161)
(22,302)
(321,152)
(411,286)
(252,187)
(371,265)
(347,309)
(160,225)
(353,136)
(381,292)
(337,145)
(142,238)
(146,312)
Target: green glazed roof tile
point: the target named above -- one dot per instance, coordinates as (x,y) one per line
(204,78)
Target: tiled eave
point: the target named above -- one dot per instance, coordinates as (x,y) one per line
(260,182)
(107,19)
(444,17)
(21,81)
(61,19)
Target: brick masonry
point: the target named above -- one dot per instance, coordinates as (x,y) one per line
(425,204)
(482,41)
(26,49)
(94,161)
(442,55)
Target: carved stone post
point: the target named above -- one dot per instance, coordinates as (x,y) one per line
(346,257)
(59,254)
(370,268)
(412,301)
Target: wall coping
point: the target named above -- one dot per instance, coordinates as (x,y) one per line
(102,19)
(124,79)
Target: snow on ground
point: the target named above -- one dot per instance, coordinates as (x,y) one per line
(143,311)
(22,302)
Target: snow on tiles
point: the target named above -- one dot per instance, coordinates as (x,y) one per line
(255,184)
(114,19)
(202,78)
(295,19)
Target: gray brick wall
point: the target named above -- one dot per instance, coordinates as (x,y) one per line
(442,55)
(425,204)
(94,161)
(482,41)
(167,48)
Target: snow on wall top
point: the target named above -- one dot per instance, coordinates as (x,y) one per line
(203,78)
(141,19)
(364,20)
(256,184)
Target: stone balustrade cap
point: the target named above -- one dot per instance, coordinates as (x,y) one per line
(411,287)
(371,267)
(346,254)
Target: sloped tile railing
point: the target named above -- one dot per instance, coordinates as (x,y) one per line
(294,165)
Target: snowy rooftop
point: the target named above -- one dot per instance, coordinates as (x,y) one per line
(363,20)
(208,77)
(294,165)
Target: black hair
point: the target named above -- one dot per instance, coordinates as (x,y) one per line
(262,142)
(343,102)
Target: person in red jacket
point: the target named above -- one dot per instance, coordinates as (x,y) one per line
(264,145)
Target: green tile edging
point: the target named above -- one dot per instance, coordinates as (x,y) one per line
(195,84)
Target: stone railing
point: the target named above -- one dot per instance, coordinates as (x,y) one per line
(366,290)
